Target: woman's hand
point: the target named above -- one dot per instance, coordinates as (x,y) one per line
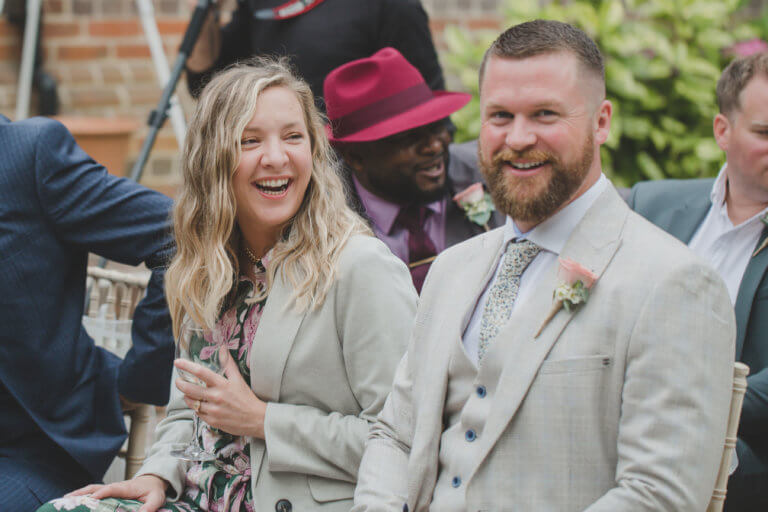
(149,489)
(227,403)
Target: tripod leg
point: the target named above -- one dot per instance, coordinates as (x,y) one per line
(147,16)
(158,116)
(28,58)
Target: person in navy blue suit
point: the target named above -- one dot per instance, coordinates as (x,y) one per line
(61,397)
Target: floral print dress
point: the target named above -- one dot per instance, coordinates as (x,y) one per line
(223,485)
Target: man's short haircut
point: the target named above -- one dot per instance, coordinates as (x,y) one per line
(735,78)
(540,37)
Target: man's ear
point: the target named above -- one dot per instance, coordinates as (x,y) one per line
(603,124)
(722,127)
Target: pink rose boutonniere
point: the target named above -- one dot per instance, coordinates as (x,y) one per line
(476,203)
(575,283)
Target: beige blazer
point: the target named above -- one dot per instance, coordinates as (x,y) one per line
(618,406)
(325,375)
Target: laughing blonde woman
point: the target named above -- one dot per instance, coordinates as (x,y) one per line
(313,310)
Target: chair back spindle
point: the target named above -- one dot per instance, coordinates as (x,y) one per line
(113,299)
(740,372)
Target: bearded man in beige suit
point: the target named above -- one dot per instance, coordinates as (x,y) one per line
(618,402)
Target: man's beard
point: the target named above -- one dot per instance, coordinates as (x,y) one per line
(405,189)
(507,189)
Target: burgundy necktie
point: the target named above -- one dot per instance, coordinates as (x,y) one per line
(420,246)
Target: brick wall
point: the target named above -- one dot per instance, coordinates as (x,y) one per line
(472,14)
(461,9)
(97,52)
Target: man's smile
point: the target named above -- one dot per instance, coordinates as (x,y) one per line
(434,169)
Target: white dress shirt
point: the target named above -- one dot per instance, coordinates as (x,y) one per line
(726,247)
(551,236)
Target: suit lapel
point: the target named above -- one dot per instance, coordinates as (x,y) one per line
(683,222)
(479,270)
(753,276)
(271,345)
(593,243)
(430,386)
(273,341)
(457,226)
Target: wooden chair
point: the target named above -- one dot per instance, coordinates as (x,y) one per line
(112,300)
(740,372)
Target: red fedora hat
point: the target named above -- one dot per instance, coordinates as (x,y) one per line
(381,95)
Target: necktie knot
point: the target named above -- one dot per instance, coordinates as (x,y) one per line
(518,255)
(412,217)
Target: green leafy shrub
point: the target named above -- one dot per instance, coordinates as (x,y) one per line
(663,59)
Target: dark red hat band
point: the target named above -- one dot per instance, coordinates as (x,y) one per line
(381,110)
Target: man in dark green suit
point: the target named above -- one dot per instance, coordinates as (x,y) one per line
(725,221)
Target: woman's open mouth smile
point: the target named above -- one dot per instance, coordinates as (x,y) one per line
(273,188)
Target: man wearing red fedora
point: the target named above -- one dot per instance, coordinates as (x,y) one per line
(393,134)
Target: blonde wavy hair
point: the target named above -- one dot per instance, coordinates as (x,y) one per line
(205,269)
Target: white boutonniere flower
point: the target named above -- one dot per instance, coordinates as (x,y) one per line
(573,290)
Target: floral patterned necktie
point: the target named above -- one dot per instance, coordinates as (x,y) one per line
(504,291)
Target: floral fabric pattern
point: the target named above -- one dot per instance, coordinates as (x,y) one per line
(223,485)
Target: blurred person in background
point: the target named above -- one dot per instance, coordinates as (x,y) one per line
(317,35)
(723,220)
(62,398)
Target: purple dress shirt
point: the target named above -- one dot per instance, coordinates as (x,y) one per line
(383,214)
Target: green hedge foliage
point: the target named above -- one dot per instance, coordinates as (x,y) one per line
(663,59)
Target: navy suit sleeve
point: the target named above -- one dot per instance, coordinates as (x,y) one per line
(94,211)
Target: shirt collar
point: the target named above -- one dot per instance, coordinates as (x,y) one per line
(382,212)
(717,196)
(552,233)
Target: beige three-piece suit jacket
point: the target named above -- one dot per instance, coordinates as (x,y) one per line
(620,405)
(325,374)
